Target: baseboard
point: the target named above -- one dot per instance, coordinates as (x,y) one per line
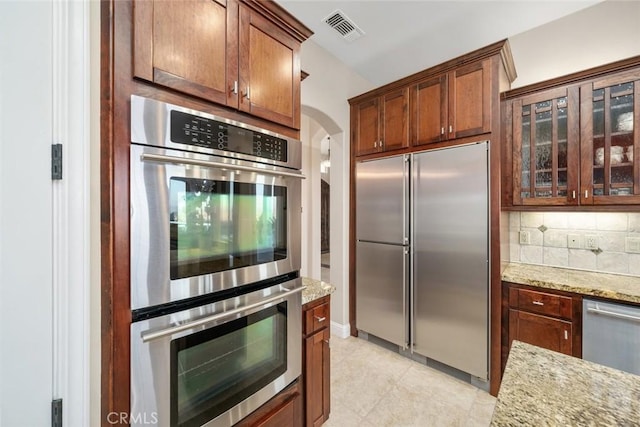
(339,330)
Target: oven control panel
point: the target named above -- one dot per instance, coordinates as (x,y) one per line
(203,132)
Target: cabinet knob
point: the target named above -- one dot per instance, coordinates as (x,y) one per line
(320,319)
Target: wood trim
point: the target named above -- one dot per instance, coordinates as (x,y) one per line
(274,12)
(495,217)
(143,40)
(477,55)
(107,383)
(591,73)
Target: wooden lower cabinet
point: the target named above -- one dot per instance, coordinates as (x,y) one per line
(316,363)
(543,331)
(541,317)
(284,410)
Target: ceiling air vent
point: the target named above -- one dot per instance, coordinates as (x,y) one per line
(343,25)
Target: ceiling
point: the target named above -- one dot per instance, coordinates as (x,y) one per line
(404,37)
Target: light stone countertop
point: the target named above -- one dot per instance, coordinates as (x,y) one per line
(315,289)
(544,388)
(606,285)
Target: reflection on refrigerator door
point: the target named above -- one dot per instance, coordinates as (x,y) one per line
(381,290)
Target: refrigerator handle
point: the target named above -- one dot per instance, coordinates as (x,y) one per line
(405,198)
(413,172)
(405,300)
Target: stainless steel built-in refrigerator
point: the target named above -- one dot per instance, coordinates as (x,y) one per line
(422,254)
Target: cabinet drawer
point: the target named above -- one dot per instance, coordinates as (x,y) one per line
(316,318)
(540,303)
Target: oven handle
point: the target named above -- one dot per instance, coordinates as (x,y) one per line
(207,163)
(149,336)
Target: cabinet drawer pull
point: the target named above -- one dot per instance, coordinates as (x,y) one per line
(573,194)
(247,94)
(234,88)
(537,303)
(442,131)
(450,129)
(320,319)
(566,335)
(380,143)
(375,144)
(586,194)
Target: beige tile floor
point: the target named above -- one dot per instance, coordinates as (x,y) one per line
(372,386)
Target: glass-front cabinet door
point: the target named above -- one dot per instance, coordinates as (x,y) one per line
(545,141)
(611,140)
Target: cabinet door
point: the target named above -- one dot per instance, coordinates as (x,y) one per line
(546,332)
(469,100)
(269,70)
(317,378)
(367,127)
(610,140)
(189,46)
(545,148)
(429,111)
(395,120)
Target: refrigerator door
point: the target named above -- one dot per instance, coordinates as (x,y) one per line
(381,288)
(451,257)
(381,200)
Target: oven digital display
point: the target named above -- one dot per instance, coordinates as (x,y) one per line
(202,132)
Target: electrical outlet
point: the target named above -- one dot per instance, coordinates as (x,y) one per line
(574,241)
(590,241)
(525,237)
(633,245)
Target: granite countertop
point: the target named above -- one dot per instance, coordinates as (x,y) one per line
(315,289)
(606,285)
(544,388)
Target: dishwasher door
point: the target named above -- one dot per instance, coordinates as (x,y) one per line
(611,335)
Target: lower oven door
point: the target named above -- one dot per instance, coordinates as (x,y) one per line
(215,364)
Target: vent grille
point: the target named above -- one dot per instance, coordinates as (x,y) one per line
(343,25)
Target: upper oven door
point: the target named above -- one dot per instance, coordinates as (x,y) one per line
(200,224)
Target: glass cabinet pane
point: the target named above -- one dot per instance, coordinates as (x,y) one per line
(613,137)
(544,136)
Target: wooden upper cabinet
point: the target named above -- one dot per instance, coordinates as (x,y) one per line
(470,100)
(382,123)
(453,105)
(610,149)
(269,75)
(190,46)
(545,133)
(429,110)
(576,140)
(223,51)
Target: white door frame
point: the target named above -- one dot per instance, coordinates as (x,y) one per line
(70,210)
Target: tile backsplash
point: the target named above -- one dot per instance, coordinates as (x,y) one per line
(606,242)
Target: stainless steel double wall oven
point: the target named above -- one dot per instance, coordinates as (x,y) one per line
(215,260)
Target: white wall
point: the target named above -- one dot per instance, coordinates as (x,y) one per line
(604,33)
(324,99)
(26,333)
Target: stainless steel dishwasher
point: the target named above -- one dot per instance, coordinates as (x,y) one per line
(611,335)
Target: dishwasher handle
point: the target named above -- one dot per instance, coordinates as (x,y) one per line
(613,314)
